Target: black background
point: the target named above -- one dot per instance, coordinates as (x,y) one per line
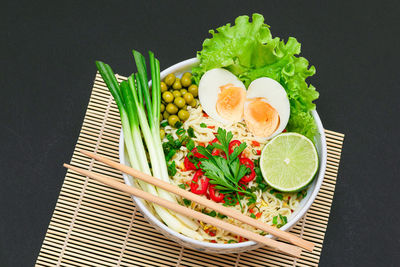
(47,69)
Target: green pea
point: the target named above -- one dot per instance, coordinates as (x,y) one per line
(162,108)
(193,89)
(172,120)
(193,104)
(188,98)
(187,74)
(176,93)
(177,84)
(186,81)
(162,134)
(183,91)
(171,108)
(179,102)
(164,87)
(183,114)
(170,79)
(168,97)
(166,115)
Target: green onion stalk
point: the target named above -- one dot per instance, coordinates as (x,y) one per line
(132,97)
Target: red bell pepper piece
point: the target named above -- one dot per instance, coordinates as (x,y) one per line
(249,164)
(232,146)
(213,194)
(199,183)
(255,143)
(189,166)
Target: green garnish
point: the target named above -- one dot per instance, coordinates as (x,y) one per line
(212,213)
(231,241)
(221,215)
(180,131)
(279,196)
(164,123)
(190,132)
(178,124)
(187,202)
(190,145)
(252,215)
(225,173)
(275,220)
(171,168)
(183,186)
(203,125)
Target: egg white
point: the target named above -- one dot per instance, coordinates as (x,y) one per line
(209,88)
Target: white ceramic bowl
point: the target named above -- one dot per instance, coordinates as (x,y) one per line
(179,69)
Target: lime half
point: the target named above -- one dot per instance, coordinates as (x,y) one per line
(289,162)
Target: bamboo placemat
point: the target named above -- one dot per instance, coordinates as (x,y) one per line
(94,225)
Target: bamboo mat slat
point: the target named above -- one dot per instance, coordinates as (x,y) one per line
(94,225)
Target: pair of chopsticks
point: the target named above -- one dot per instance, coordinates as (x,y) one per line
(283,247)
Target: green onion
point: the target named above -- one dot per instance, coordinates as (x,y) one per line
(139,114)
(203,125)
(275,220)
(190,132)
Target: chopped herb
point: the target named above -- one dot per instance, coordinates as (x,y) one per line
(231,241)
(252,215)
(221,215)
(272,191)
(190,132)
(183,186)
(171,168)
(275,220)
(178,124)
(263,233)
(180,131)
(187,202)
(283,219)
(164,123)
(262,186)
(170,154)
(212,213)
(203,125)
(170,137)
(279,196)
(190,145)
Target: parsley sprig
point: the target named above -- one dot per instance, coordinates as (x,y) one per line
(225,174)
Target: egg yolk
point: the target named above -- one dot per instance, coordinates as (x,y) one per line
(261,118)
(230,102)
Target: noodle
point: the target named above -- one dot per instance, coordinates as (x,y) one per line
(268,205)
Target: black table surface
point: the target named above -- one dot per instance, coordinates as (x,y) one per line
(47,67)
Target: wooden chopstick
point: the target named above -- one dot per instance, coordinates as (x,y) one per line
(283,247)
(203,201)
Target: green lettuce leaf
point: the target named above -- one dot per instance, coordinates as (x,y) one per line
(248,50)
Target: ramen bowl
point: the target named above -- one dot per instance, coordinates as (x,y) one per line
(312,191)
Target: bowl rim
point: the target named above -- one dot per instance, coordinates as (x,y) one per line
(293,220)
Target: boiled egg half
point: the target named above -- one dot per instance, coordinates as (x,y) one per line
(264,106)
(267,108)
(222,96)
